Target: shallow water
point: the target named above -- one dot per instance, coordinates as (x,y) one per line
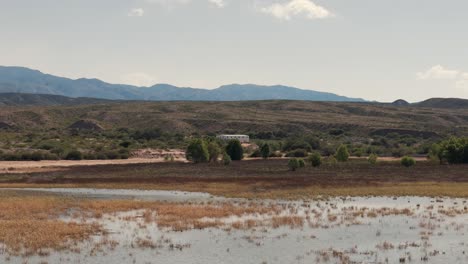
(150,195)
(428,234)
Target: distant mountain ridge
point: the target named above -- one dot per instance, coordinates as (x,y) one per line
(444,103)
(25,80)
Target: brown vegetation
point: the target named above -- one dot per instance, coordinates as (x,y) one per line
(261,179)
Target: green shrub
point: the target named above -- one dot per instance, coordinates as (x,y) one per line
(372,159)
(89,156)
(125,144)
(293,164)
(298,153)
(256,154)
(112,155)
(213,151)
(315,159)
(197,151)
(265,150)
(342,153)
(453,150)
(276,154)
(301,163)
(408,161)
(234,150)
(226,159)
(332,161)
(74,155)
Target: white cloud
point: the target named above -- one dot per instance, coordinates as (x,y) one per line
(138,79)
(287,10)
(136,12)
(438,72)
(218,3)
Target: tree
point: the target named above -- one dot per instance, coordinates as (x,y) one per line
(234,150)
(342,153)
(197,151)
(293,164)
(407,161)
(372,159)
(265,150)
(315,159)
(214,151)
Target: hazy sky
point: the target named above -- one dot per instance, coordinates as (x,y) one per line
(375,49)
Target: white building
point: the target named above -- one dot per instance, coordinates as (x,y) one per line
(241,138)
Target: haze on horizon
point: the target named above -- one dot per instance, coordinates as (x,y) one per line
(377,50)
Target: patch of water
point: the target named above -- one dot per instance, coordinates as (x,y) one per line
(427,234)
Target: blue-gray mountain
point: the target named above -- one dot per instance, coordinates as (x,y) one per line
(24,80)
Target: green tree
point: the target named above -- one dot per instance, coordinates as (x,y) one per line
(214,151)
(315,159)
(293,164)
(372,159)
(408,161)
(234,150)
(197,151)
(265,150)
(342,153)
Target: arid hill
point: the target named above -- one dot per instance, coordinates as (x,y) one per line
(244,117)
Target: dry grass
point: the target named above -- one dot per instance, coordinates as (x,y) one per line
(29,225)
(32,224)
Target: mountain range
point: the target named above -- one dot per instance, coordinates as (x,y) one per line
(24,80)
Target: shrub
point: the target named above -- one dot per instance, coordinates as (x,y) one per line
(256,154)
(74,155)
(332,161)
(89,156)
(301,163)
(296,143)
(125,144)
(453,150)
(213,151)
(342,153)
(234,150)
(265,150)
(197,151)
(315,159)
(293,164)
(407,161)
(226,159)
(372,159)
(298,153)
(112,155)
(276,154)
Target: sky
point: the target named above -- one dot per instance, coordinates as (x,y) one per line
(374,49)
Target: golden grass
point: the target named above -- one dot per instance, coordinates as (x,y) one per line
(28,225)
(32,224)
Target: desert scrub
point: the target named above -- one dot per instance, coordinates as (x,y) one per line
(408,161)
(315,159)
(372,159)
